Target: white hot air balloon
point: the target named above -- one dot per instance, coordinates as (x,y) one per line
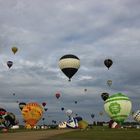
(118,107)
(69,112)
(69,65)
(109,83)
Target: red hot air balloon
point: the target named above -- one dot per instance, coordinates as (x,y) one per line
(57,95)
(44,104)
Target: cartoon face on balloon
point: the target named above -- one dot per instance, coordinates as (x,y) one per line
(32,113)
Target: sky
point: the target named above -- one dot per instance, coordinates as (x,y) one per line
(45,30)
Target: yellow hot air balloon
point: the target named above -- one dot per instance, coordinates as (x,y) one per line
(82,124)
(32,113)
(14,49)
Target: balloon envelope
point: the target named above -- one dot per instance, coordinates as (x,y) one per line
(105,96)
(62,108)
(21,105)
(72,123)
(108,63)
(69,65)
(109,82)
(2,111)
(14,49)
(82,124)
(75,102)
(118,107)
(32,113)
(92,116)
(69,112)
(57,95)
(10,119)
(9,64)
(136,116)
(44,104)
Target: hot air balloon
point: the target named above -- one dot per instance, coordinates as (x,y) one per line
(82,124)
(75,102)
(7,118)
(69,64)
(2,111)
(136,116)
(105,96)
(62,125)
(69,112)
(100,113)
(32,113)
(113,124)
(92,116)
(44,104)
(118,107)
(62,108)
(72,123)
(57,95)
(109,82)
(85,90)
(45,109)
(108,63)
(14,49)
(9,64)
(21,105)
(10,119)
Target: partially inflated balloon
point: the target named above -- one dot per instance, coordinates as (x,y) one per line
(14,49)
(9,64)
(10,119)
(32,113)
(82,124)
(72,123)
(69,64)
(2,111)
(108,63)
(118,107)
(136,116)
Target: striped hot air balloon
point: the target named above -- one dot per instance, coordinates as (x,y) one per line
(118,107)
(136,116)
(69,64)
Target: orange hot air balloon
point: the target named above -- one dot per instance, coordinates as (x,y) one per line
(14,49)
(32,113)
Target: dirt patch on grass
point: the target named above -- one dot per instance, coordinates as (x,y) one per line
(33,135)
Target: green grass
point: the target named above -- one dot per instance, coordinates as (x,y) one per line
(99,133)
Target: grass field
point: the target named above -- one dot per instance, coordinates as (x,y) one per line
(99,133)
(95,133)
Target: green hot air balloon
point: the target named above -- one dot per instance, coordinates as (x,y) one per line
(118,107)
